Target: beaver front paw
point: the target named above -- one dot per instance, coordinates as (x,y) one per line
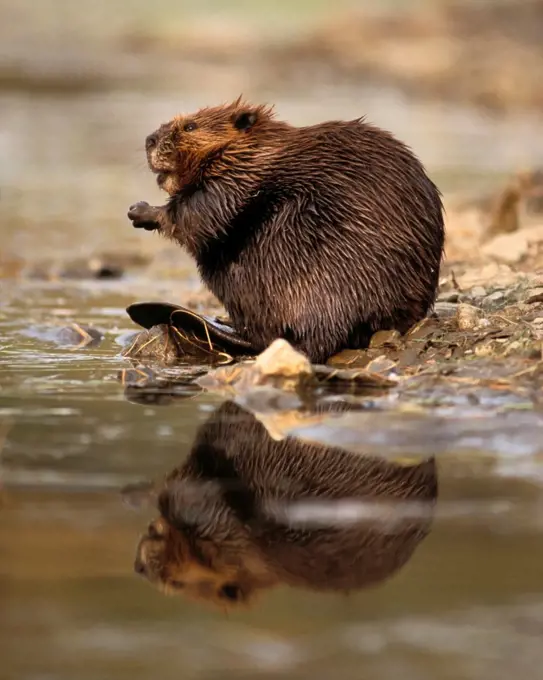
(144,216)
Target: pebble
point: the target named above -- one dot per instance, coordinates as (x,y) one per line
(478,292)
(445,310)
(513,347)
(485,349)
(483,323)
(493,299)
(467,317)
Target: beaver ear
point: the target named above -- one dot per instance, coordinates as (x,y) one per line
(245,120)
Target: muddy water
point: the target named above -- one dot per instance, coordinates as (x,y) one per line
(468,604)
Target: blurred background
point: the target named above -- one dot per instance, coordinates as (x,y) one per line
(79,91)
(81,85)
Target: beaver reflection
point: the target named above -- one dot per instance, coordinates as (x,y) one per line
(246,512)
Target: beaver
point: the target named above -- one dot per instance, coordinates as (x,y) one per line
(320,235)
(229,524)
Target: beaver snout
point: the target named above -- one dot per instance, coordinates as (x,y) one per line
(151,141)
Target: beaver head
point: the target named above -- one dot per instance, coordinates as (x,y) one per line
(189,149)
(197,548)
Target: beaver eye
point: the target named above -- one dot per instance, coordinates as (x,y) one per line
(189,127)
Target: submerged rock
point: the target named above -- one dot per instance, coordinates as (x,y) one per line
(77,335)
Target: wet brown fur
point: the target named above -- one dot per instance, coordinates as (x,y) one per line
(222,534)
(320,235)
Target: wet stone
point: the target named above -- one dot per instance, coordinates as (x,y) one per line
(381,365)
(282,367)
(423,329)
(385,338)
(157,343)
(279,365)
(350,358)
(76,335)
(280,359)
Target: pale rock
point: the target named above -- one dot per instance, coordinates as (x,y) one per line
(534,295)
(467,317)
(281,360)
(494,273)
(445,310)
(511,248)
(478,292)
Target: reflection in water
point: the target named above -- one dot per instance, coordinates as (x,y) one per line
(246,512)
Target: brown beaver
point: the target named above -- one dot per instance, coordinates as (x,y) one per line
(320,235)
(224,532)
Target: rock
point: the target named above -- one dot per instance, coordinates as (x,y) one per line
(280,365)
(349,358)
(534,295)
(467,317)
(493,299)
(156,343)
(511,248)
(478,292)
(280,359)
(485,349)
(483,323)
(494,273)
(445,310)
(513,348)
(79,336)
(385,339)
(381,365)
(423,329)
(450,296)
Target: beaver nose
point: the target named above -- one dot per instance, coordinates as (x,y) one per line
(151,141)
(139,567)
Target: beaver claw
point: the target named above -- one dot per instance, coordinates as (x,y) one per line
(144,216)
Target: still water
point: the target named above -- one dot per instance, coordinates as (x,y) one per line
(467,602)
